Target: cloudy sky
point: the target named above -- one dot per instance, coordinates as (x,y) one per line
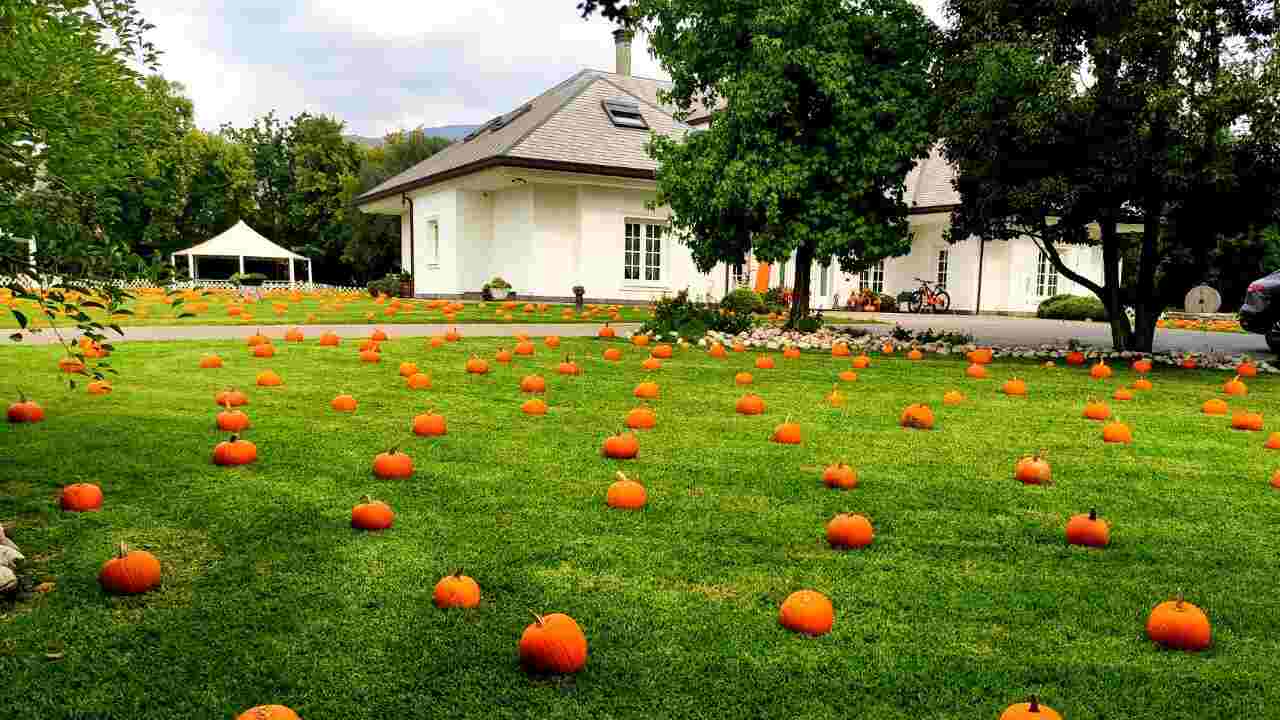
(378,65)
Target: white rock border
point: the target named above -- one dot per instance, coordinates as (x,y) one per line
(775,338)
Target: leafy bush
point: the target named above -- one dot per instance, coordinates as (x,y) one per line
(248,279)
(775,300)
(1071,307)
(888,303)
(678,314)
(389,285)
(743,301)
(809,323)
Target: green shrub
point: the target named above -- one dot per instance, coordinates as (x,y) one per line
(775,301)
(688,319)
(888,303)
(389,285)
(1071,307)
(809,323)
(743,301)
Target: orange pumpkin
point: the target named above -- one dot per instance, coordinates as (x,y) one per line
(1273,441)
(612,354)
(1097,410)
(435,342)
(764,362)
(264,350)
(99,387)
(1033,470)
(552,341)
(418,381)
(835,398)
(294,335)
(791,352)
(1122,394)
(848,376)
(840,477)
(1142,366)
(662,351)
(234,451)
(849,531)
(1075,357)
(430,424)
(329,339)
(1100,371)
(408,368)
(862,362)
(739,347)
(952,397)
(1117,432)
(553,644)
(534,406)
(257,339)
(717,351)
(639,340)
(343,403)
(788,433)
(1247,369)
(641,418)
(210,361)
(457,591)
(235,398)
(743,378)
(1014,387)
(1030,710)
(130,572)
(533,384)
(378,335)
(646,390)
(372,514)
(503,356)
(807,611)
(623,446)
(392,464)
(626,494)
(1179,625)
(1216,406)
(370,356)
(1088,530)
(651,363)
(915,355)
(477,366)
(1142,384)
(980,356)
(524,347)
(1248,421)
(268,712)
(749,404)
(1235,387)
(606,332)
(918,416)
(976,371)
(269,378)
(840,350)
(81,497)
(232,421)
(1188,362)
(453,335)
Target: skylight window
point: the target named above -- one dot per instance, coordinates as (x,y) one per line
(624,114)
(499,122)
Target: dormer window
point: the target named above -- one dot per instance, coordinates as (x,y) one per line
(625,114)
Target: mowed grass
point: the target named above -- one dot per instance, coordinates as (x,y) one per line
(968,599)
(278,308)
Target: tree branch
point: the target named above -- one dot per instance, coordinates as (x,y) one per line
(1049,249)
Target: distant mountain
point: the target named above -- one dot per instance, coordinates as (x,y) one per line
(450,132)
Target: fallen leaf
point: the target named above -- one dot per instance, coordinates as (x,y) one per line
(45,587)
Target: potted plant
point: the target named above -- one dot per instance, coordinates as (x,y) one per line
(406,284)
(498,289)
(249,279)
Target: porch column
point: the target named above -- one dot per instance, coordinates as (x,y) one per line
(290,272)
(191,266)
(241,264)
(309,281)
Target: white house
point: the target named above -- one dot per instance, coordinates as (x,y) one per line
(553,194)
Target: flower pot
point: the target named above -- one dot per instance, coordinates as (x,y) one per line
(406,288)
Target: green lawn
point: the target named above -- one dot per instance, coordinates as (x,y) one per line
(319,311)
(968,599)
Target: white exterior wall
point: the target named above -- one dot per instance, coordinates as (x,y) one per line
(512,251)
(434,275)
(554,257)
(475,239)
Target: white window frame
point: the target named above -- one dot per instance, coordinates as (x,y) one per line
(944,268)
(1046,276)
(433,242)
(872,277)
(644,268)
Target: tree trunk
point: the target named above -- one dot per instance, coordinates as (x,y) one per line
(800,293)
(1121,333)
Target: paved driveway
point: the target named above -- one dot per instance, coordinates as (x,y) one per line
(1002,330)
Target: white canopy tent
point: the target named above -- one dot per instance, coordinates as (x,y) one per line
(240,241)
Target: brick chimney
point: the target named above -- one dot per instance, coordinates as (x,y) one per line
(622,51)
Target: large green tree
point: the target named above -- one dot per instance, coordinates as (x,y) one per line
(823,107)
(1066,116)
(373,246)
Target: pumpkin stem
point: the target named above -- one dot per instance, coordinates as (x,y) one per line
(538,618)
(620,476)
(122,550)
(1178,602)
(1093,513)
(365,499)
(457,573)
(234,438)
(1033,704)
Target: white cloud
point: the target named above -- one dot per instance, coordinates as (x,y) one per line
(379,65)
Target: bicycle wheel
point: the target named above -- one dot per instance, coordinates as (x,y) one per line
(915,302)
(941,301)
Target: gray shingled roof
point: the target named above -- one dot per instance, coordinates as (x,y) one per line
(567,124)
(564,124)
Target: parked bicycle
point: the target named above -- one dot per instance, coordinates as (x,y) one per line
(927,298)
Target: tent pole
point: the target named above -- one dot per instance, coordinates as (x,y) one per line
(241,264)
(290,273)
(191,266)
(309,281)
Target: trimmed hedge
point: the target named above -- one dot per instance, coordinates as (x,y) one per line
(1071,307)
